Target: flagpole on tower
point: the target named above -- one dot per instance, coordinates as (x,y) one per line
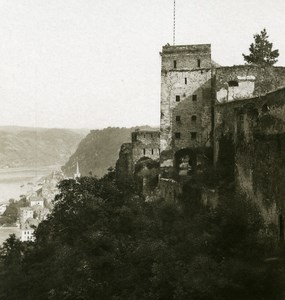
(174,22)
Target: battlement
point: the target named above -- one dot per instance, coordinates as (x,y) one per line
(186,57)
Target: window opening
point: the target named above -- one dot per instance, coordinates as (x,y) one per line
(193,136)
(177,135)
(233,83)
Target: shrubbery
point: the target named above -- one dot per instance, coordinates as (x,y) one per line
(105,242)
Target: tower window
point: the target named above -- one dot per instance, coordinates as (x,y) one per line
(178,118)
(174,64)
(194,119)
(177,135)
(193,136)
(177,98)
(199,63)
(233,83)
(143,151)
(151,151)
(185,79)
(194,97)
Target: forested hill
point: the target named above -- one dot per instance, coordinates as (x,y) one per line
(28,147)
(99,150)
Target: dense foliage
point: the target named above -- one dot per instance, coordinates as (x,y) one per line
(12,211)
(261,52)
(105,242)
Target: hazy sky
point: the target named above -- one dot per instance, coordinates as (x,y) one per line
(96,63)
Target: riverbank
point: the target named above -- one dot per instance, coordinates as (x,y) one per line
(18,181)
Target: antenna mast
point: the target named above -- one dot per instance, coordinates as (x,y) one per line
(174,23)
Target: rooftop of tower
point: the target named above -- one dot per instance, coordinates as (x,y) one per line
(168,49)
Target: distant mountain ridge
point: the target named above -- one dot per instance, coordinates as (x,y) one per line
(29,147)
(99,150)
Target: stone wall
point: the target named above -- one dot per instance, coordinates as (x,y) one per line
(256,127)
(185,93)
(245,81)
(186,57)
(169,189)
(124,165)
(145,144)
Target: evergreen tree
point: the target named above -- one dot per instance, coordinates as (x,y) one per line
(261,52)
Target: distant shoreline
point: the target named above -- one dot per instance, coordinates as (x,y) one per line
(18,181)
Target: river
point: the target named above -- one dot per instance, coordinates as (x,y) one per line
(18,181)
(15,182)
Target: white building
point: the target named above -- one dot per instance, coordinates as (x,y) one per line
(3,208)
(36,200)
(25,214)
(27,230)
(27,235)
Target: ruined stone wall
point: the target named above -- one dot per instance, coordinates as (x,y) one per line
(145,144)
(124,165)
(244,81)
(257,129)
(169,189)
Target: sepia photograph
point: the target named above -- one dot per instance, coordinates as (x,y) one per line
(142,150)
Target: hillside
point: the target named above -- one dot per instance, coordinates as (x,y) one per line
(99,150)
(28,147)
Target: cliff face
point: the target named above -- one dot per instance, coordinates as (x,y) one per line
(28,147)
(99,150)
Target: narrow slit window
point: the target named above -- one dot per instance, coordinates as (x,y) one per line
(151,151)
(199,63)
(185,80)
(143,151)
(233,83)
(177,98)
(174,64)
(193,136)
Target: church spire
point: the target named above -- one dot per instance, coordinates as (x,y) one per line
(77,174)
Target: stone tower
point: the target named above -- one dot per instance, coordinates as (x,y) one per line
(186,101)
